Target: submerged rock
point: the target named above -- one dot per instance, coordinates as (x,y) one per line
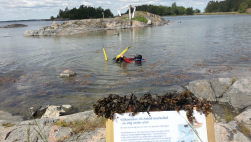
(68,73)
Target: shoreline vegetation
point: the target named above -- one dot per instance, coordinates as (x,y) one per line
(87,12)
(222,13)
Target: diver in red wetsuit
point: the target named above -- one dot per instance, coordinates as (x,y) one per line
(137,59)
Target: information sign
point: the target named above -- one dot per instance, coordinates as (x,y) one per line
(160,126)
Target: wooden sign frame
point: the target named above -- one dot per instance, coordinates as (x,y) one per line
(209,120)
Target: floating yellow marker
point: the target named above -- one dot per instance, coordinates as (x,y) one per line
(104,53)
(123,52)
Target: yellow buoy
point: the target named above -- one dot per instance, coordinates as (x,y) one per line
(104,53)
(123,52)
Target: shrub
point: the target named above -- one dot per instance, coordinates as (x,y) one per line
(141,19)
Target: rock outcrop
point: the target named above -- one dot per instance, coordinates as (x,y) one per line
(234,91)
(224,132)
(81,26)
(14,26)
(237,130)
(68,73)
(50,111)
(24,129)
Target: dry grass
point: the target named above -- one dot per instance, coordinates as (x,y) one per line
(79,126)
(7,125)
(244,129)
(218,119)
(229,116)
(233,80)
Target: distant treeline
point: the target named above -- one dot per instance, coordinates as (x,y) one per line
(167,10)
(83,12)
(228,6)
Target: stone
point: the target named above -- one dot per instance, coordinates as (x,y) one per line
(233,125)
(202,89)
(220,85)
(223,133)
(98,135)
(53,111)
(244,118)
(8,117)
(240,137)
(54,24)
(149,22)
(67,73)
(38,111)
(58,133)
(67,108)
(239,93)
(181,89)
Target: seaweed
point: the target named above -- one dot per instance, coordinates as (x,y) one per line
(107,106)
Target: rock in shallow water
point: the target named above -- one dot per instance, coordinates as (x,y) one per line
(38,111)
(68,73)
(53,111)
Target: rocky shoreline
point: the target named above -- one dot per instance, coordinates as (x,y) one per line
(234,91)
(73,27)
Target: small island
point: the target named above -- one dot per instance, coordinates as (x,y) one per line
(14,26)
(72,27)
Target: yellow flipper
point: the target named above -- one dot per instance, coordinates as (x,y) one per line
(123,52)
(104,53)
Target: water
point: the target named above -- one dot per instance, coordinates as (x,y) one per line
(200,47)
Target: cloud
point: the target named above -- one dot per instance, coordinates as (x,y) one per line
(65,4)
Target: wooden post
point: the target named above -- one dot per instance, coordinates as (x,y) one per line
(210,127)
(109,130)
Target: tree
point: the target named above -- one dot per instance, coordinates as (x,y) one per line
(52,18)
(243,7)
(174,9)
(196,10)
(180,10)
(84,12)
(189,11)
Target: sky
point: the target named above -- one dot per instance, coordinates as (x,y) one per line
(44,9)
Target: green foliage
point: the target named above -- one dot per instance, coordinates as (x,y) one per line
(196,10)
(141,19)
(189,11)
(228,6)
(243,7)
(52,18)
(84,12)
(164,10)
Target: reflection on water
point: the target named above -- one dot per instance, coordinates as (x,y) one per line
(200,47)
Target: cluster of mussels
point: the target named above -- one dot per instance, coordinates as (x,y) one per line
(106,107)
